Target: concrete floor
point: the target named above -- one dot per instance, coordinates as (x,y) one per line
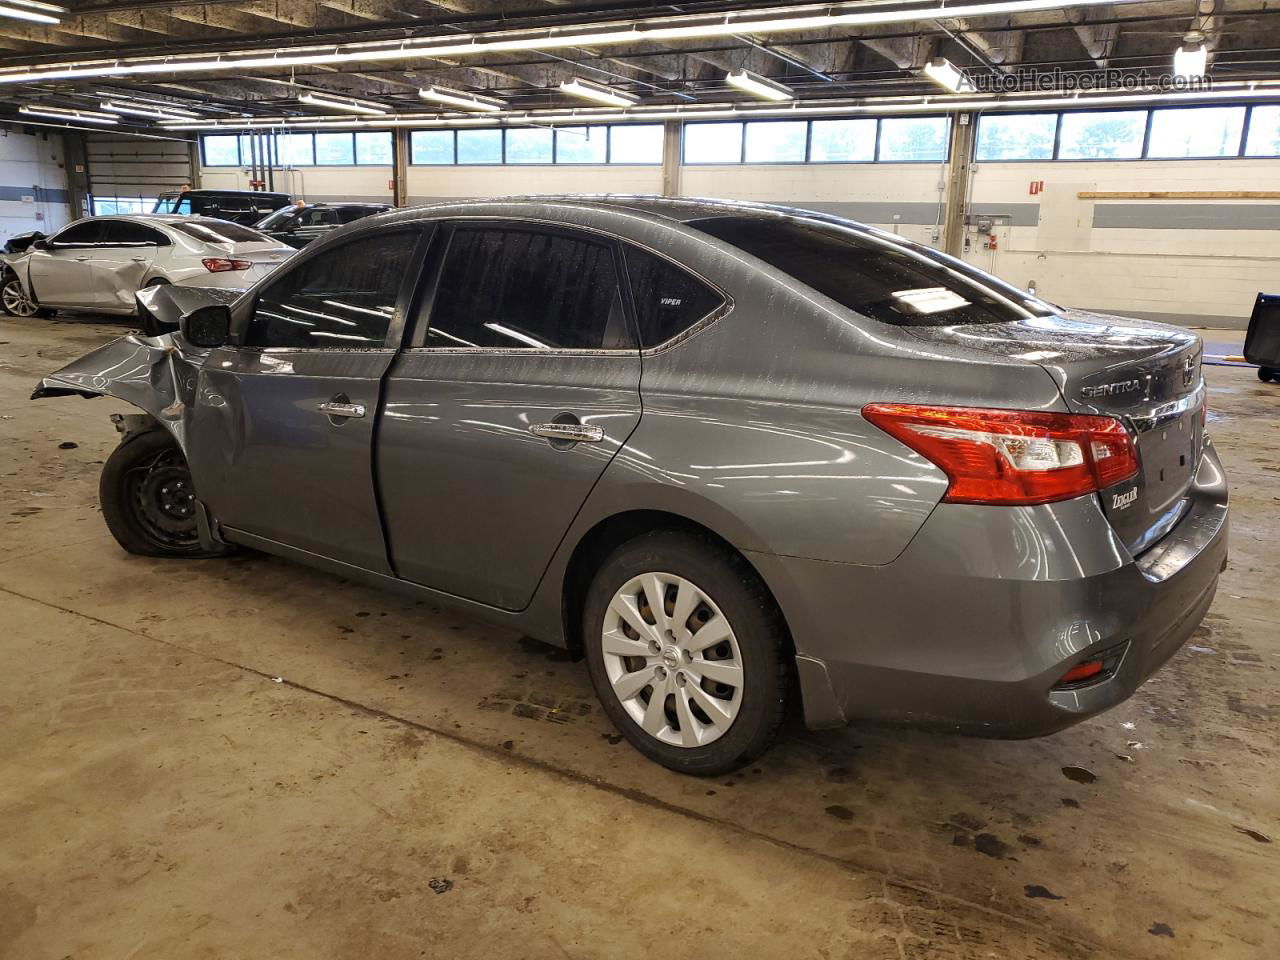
(416,785)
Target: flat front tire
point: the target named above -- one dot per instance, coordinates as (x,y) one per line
(148,498)
(686,651)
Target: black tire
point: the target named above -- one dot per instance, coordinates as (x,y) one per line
(148,499)
(1267,374)
(151,326)
(759,631)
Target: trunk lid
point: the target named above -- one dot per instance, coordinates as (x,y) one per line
(1147,374)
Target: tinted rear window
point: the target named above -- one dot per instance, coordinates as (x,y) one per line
(872,276)
(220,231)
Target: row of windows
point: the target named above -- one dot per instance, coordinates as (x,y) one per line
(632,143)
(500,287)
(1163,134)
(371,148)
(861,140)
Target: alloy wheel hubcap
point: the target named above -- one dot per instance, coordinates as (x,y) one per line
(16,300)
(672,660)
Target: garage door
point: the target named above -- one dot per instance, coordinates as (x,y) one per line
(126,174)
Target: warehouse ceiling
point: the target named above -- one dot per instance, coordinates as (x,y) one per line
(1051,46)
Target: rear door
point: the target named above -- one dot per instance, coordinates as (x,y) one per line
(520,384)
(122,261)
(282,438)
(61,275)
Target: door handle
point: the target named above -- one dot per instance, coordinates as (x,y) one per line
(333,408)
(139,259)
(82,258)
(568,432)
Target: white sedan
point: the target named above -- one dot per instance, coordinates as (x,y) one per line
(99,264)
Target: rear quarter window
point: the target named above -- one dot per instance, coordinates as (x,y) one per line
(668,299)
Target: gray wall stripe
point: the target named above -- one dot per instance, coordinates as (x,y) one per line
(1159,215)
(41,194)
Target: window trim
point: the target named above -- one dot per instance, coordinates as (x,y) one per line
(415,331)
(423,231)
(742,160)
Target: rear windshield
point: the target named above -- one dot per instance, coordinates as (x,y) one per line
(220,231)
(892,282)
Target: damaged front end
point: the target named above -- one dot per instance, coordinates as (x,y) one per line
(157,374)
(154,374)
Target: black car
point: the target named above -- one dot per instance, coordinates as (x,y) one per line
(245,207)
(300,223)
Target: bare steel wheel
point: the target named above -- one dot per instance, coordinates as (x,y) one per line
(672,659)
(687,651)
(148,499)
(16,301)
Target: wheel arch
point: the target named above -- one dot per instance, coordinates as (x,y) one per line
(606,534)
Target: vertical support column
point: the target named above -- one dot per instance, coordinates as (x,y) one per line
(400,166)
(75,160)
(672,151)
(956,194)
(194,154)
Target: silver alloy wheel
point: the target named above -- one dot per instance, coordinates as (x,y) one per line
(16,300)
(672,660)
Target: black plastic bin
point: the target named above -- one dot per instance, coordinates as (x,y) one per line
(1262,344)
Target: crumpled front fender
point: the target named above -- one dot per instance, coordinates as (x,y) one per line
(152,373)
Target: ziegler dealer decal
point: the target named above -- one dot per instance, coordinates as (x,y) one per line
(1121,500)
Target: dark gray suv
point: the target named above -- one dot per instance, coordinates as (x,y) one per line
(707,446)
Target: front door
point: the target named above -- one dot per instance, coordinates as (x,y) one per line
(282,436)
(122,261)
(506,408)
(61,274)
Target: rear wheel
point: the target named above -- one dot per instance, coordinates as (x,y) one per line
(148,499)
(16,301)
(151,326)
(685,649)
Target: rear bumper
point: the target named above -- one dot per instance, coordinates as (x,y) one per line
(973,625)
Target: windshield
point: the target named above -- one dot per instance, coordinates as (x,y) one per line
(173,203)
(890,281)
(278,219)
(220,231)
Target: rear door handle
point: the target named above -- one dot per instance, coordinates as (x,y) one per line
(139,259)
(332,408)
(568,432)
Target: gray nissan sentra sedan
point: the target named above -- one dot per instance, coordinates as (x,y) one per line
(707,446)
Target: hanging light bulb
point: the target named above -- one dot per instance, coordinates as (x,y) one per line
(1190,59)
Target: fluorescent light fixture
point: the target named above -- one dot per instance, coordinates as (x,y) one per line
(33,11)
(339,102)
(782,19)
(817,109)
(946,75)
(598,92)
(462,99)
(59,113)
(759,86)
(1190,60)
(146,110)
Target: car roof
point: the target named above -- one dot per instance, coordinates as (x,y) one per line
(673,209)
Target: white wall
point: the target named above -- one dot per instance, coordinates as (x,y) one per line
(1179,259)
(315,184)
(33,183)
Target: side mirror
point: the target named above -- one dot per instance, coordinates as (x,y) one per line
(40,243)
(206,326)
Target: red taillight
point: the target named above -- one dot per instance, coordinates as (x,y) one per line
(1013,456)
(222,264)
(1080,672)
